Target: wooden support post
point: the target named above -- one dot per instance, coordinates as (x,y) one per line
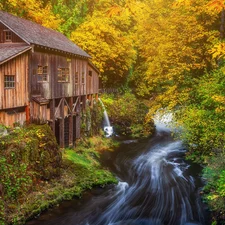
(71,141)
(62,125)
(91,99)
(52,114)
(31,111)
(96,97)
(38,114)
(78,119)
(27,109)
(84,99)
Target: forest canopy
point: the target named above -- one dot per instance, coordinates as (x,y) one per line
(168,52)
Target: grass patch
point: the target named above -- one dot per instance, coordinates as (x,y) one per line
(79,170)
(76,158)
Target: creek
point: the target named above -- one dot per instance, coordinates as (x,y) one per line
(157,186)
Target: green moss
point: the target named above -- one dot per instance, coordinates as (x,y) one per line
(36,175)
(77,158)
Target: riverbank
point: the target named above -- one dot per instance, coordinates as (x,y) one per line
(36,174)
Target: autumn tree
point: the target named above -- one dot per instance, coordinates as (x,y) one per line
(33,10)
(72,12)
(107,36)
(174,43)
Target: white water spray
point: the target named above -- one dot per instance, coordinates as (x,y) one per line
(108,129)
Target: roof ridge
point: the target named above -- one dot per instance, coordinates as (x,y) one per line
(33,33)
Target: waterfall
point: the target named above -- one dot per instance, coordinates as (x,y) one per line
(108,129)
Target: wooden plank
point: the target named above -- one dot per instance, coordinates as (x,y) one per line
(71,123)
(11,119)
(78,119)
(69,107)
(58,107)
(75,104)
(62,125)
(52,114)
(15,97)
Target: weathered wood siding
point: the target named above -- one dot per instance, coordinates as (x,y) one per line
(11,117)
(52,88)
(92,80)
(15,38)
(79,76)
(17,96)
(39,113)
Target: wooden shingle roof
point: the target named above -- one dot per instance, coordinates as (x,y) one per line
(36,34)
(7,52)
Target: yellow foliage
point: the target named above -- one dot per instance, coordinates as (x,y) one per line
(35,11)
(219,98)
(213,197)
(218,50)
(217,5)
(170,39)
(110,47)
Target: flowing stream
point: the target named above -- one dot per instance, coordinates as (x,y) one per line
(156,187)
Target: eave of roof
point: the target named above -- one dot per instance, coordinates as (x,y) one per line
(8,52)
(36,34)
(40,100)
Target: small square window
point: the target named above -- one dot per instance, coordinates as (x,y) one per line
(8,35)
(42,72)
(45,69)
(82,77)
(9,81)
(63,74)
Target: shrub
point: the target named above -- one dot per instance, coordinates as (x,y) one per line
(128,115)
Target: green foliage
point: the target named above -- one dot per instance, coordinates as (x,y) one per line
(85,161)
(2,126)
(27,156)
(35,175)
(73,13)
(163,49)
(36,147)
(203,120)
(2,211)
(214,190)
(91,119)
(96,118)
(128,115)
(15,179)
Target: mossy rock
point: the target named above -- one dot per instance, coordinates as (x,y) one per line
(34,146)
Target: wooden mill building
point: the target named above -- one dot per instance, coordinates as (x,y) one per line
(44,78)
